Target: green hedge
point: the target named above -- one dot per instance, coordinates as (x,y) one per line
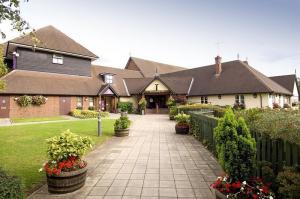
(125,106)
(10,186)
(217,111)
(85,114)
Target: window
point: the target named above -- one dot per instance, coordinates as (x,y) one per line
(108,78)
(204,100)
(220,96)
(57,59)
(79,102)
(91,102)
(239,99)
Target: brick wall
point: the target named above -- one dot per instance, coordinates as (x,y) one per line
(51,108)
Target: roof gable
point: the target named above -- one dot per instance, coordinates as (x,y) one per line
(149,68)
(52,39)
(286,81)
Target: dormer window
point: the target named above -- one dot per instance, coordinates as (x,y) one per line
(108,78)
(57,59)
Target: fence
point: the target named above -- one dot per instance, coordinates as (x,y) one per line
(276,151)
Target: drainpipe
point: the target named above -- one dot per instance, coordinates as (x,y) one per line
(99,119)
(260,97)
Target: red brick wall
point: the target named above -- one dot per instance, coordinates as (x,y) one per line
(51,108)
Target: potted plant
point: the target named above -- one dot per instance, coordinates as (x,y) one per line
(172,112)
(171,102)
(236,152)
(142,105)
(121,126)
(65,169)
(183,123)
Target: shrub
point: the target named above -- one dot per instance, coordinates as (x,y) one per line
(235,147)
(85,114)
(38,100)
(289,183)
(216,110)
(239,106)
(172,112)
(182,119)
(125,106)
(122,123)
(65,152)
(10,186)
(142,103)
(24,100)
(91,108)
(286,105)
(276,105)
(171,102)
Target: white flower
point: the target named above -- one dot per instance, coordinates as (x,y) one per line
(219,178)
(41,169)
(271,197)
(244,183)
(242,188)
(224,179)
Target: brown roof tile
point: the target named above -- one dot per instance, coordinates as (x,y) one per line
(51,38)
(286,81)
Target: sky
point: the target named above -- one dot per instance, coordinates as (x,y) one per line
(188,33)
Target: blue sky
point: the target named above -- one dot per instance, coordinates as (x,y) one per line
(179,32)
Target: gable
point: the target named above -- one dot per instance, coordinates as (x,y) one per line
(108,92)
(156,86)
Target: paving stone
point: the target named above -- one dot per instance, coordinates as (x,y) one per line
(115,191)
(119,183)
(133,191)
(185,193)
(98,191)
(167,192)
(183,184)
(146,191)
(135,183)
(167,183)
(151,183)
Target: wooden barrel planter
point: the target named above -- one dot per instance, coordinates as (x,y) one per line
(66,182)
(182,129)
(219,195)
(122,132)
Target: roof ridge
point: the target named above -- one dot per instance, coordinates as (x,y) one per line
(157,62)
(93,65)
(48,73)
(283,75)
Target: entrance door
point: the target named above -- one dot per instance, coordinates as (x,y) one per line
(4,106)
(64,105)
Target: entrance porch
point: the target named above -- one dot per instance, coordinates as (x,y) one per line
(156,103)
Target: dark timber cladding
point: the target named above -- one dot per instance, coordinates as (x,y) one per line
(42,62)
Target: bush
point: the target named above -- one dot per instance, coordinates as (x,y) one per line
(235,147)
(182,119)
(286,105)
(91,108)
(10,186)
(142,103)
(85,114)
(276,105)
(122,123)
(216,110)
(125,106)
(65,152)
(24,100)
(289,183)
(172,112)
(239,106)
(38,100)
(171,102)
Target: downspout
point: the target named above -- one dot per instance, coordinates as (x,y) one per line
(260,97)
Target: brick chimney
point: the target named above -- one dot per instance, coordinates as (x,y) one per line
(218,60)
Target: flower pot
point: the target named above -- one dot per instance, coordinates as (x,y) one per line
(220,195)
(182,129)
(66,182)
(122,132)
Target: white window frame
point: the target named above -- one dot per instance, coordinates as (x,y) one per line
(57,59)
(108,79)
(79,103)
(240,99)
(204,100)
(91,102)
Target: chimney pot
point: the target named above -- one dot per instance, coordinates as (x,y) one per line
(218,60)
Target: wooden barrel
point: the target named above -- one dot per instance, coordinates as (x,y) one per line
(122,133)
(66,182)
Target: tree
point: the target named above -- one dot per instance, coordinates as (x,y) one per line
(10,12)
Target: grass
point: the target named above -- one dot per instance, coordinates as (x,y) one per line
(23,148)
(37,119)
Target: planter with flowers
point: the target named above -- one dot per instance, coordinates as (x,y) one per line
(65,169)
(121,126)
(236,151)
(183,123)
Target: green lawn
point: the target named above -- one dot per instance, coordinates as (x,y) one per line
(37,119)
(23,148)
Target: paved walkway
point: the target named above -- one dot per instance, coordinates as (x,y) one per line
(153,162)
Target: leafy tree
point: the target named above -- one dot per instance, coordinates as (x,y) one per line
(235,147)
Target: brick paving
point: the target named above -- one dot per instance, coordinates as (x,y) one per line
(153,162)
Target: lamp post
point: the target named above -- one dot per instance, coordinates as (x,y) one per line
(99,119)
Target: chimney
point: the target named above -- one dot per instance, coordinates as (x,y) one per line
(218,60)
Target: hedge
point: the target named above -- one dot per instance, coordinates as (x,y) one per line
(10,186)
(125,106)
(85,114)
(216,110)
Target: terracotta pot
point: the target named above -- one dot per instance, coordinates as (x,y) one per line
(66,182)
(122,132)
(219,195)
(183,129)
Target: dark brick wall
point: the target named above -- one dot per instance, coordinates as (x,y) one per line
(42,62)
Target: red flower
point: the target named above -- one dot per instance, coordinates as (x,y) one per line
(265,189)
(227,185)
(255,196)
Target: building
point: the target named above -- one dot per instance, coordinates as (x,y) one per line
(60,69)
